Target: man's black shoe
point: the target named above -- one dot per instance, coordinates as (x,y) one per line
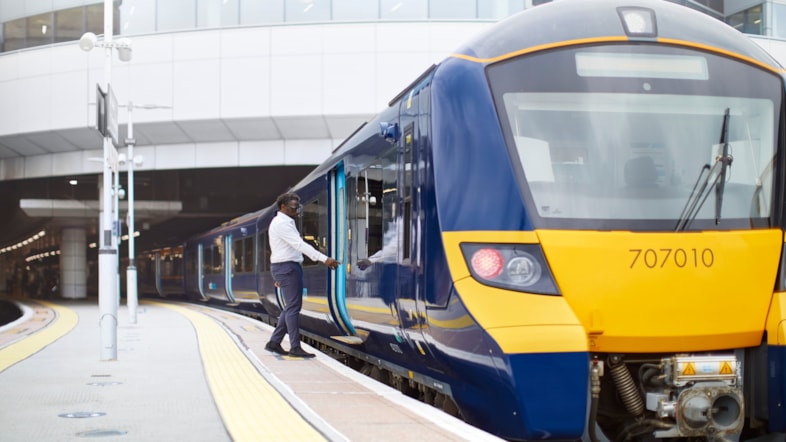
(275,348)
(299,352)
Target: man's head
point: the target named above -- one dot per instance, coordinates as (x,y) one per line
(289,204)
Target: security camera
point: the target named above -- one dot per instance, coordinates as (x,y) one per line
(123,46)
(87,42)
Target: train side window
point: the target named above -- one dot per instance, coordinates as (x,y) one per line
(173,264)
(370,188)
(390,206)
(237,255)
(177,265)
(263,262)
(214,257)
(407,192)
(314,225)
(243,255)
(248,254)
(207,260)
(364,210)
(145,267)
(191,264)
(166,263)
(217,259)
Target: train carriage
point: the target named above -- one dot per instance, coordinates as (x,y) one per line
(570,229)
(160,272)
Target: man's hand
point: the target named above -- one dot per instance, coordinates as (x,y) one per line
(332,263)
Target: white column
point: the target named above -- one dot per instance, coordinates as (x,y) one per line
(73,263)
(131,280)
(108,297)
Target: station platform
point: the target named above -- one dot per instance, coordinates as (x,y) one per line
(189,372)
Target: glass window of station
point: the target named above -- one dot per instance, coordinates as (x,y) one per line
(133,17)
(21,29)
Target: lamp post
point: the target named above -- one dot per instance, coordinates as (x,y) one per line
(117,228)
(131,275)
(108,295)
(131,291)
(131,283)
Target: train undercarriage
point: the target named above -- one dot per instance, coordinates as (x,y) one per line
(681,397)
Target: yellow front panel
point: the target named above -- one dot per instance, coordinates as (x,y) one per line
(652,292)
(634,292)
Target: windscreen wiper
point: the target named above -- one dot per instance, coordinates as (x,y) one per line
(725,162)
(695,200)
(701,189)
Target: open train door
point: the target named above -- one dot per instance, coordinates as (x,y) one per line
(337,288)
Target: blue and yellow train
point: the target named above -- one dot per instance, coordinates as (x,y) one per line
(572,228)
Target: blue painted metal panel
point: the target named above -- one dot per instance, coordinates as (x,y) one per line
(776,388)
(552,390)
(341,276)
(474,180)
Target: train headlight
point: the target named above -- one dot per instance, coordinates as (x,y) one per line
(638,22)
(524,270)
(520,267)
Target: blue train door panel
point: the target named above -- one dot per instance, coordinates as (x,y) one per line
(213,267)
(337,288)
(200,271)
(227,269)
(242,284)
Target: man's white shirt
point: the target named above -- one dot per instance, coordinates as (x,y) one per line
(286,243)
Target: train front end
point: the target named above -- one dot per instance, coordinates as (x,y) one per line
(621,219)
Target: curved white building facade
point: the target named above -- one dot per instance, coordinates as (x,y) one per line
(228,97)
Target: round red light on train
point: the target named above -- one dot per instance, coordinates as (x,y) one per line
(487,263)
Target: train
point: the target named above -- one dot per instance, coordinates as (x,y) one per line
(571,228)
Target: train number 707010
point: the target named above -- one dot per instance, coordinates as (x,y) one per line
(660,258)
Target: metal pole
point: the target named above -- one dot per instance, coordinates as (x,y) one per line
(107,253)
(131,295)
(117,228)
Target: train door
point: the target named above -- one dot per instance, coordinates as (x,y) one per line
(157,267)
(213,268)
(242,284)
(228,269)
(337,287)
(200,269)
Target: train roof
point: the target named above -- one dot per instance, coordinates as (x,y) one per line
(574,20)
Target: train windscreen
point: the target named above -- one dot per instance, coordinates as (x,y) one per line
(641,137)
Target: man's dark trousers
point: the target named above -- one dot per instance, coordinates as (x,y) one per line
(289,276)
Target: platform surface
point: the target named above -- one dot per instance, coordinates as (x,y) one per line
(187,372)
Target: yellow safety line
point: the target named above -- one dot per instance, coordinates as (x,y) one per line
(64,322)
(252,410)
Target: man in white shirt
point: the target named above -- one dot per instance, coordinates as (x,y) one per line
(286,256)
